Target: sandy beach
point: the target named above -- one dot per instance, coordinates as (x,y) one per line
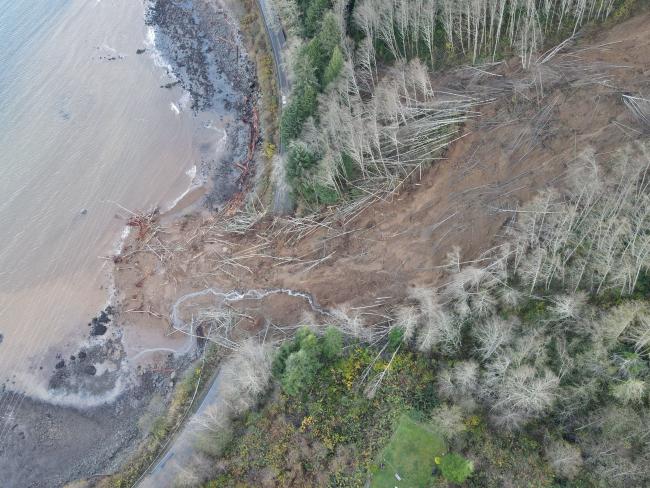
(69,344)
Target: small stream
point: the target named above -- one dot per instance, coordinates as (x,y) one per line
(187,328)
(182,449)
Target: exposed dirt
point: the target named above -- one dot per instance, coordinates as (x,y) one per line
(525,139)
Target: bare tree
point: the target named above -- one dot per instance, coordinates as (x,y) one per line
(565,458)
(630,391)
(438,329)
(460,382)
(612,326)
(523,394)
(638,331)
(448,420)
(246,375)
(407,318)
(492,335)
(476,27)
(568,307)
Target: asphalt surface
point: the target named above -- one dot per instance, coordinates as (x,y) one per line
(179,454)
(282,200)
(278,40)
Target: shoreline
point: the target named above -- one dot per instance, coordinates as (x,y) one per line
(205,191)
(182,261)
(95,375)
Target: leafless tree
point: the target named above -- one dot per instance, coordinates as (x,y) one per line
(524,393)
(459,382)
(284,13)
(438,328)
(246,375)
(621,321)
(630,391)
(591,237)
(407,318)
(475,27)
(389,136)
(448,420)
(492,334)
(568,307)
(565,458)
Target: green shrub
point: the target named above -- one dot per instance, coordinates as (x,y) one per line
(395,338)
(299,161)
(304,339)
(303,105)
(317,55)
(298,361)
(316,194)
(334,67)
(280,360)
(313,11)
(624,9)
(300,371)
(313,62)
(455,468)
(349,167)
(308,342)
(332,344)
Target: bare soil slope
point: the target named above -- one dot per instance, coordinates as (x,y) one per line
(537,123)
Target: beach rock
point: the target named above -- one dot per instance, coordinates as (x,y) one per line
(60,364)
(99,324)
(171,85)
(98,329)
(218,75)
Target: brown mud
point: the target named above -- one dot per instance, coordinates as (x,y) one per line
(536,125)
(526,138)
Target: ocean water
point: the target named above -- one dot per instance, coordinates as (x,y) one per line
(86,131)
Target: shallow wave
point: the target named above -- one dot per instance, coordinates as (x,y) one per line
(157,56)
(77,400)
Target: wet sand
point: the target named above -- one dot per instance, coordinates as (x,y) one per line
(78,145)
(75,367)
(102,123)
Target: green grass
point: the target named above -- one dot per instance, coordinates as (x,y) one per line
(410,453)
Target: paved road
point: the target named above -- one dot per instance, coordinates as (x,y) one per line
(282,201)
(177,457)
(278,40)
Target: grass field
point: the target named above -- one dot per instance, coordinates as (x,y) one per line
(409,454)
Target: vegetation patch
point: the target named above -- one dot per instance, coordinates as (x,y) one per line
(258,48)
(360,80)
(409,458)
(165,425)
(320,426)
